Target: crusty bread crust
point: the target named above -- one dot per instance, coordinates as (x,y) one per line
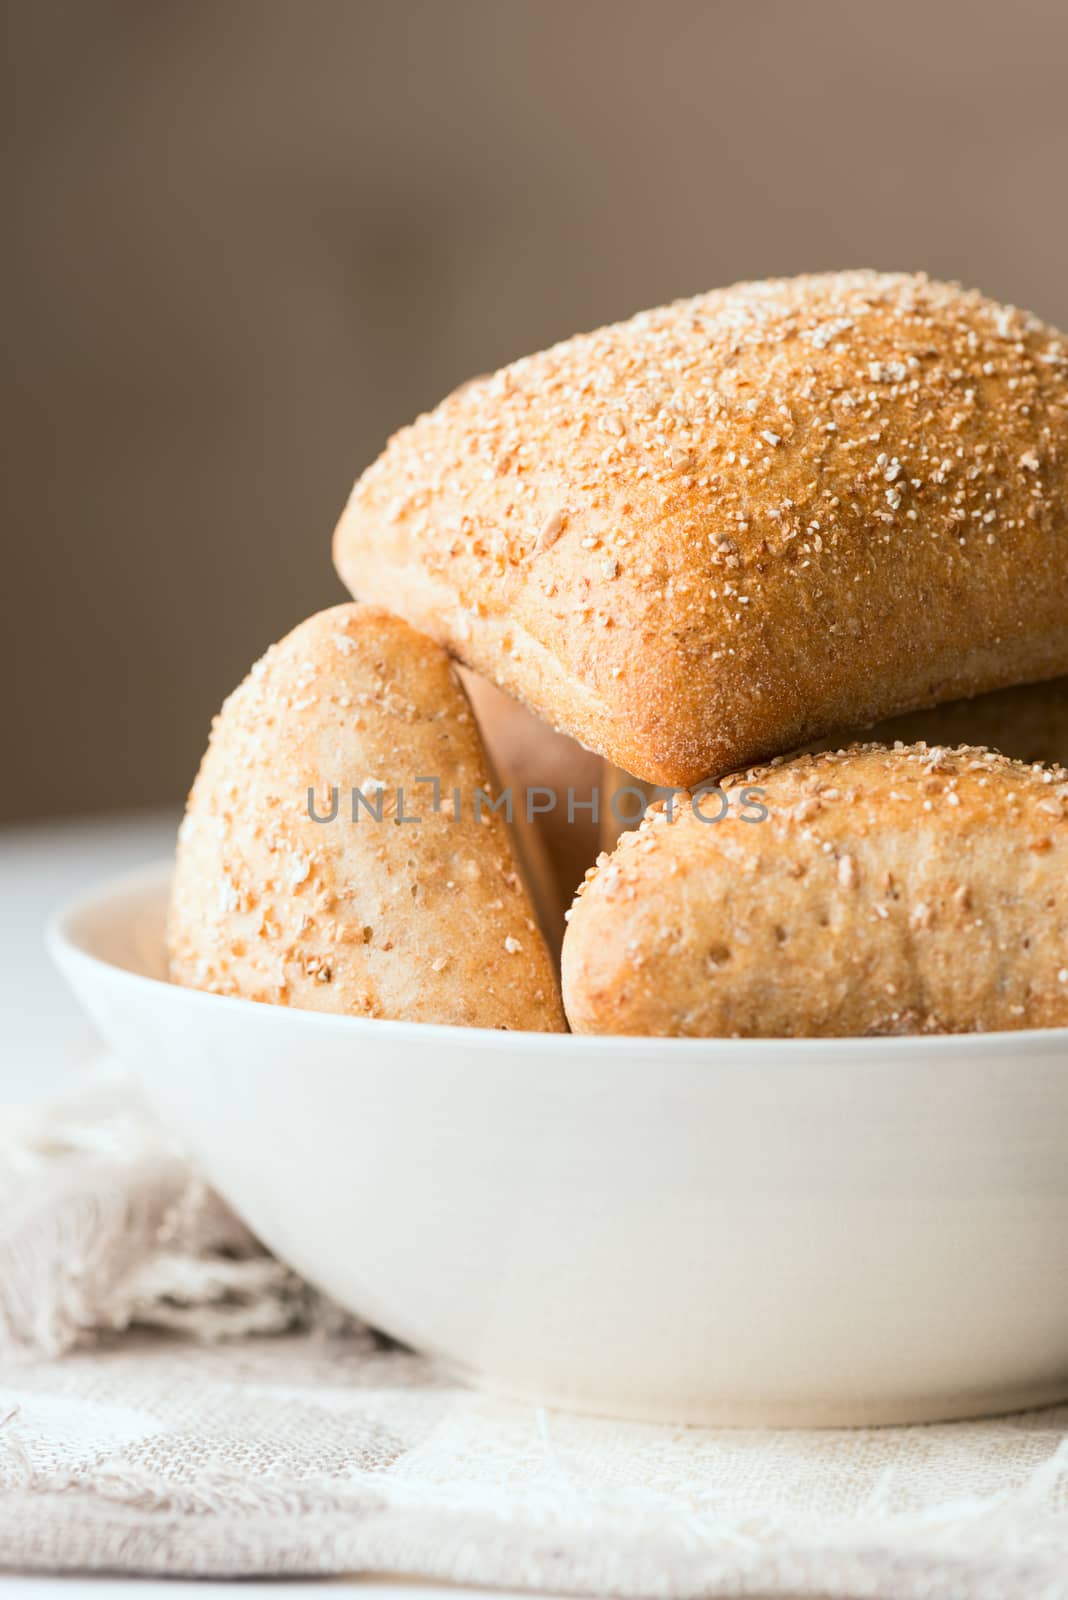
(742,522)
(907,890)
(426,921)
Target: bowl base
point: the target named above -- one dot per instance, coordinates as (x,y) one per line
(888,1411)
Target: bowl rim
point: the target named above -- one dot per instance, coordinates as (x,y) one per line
(68,947)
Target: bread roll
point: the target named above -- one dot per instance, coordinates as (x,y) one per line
(540,766)
(909,890)
(742,522)
(426,920)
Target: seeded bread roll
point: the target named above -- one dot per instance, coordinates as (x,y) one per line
(426,920)
(912,890)
(742,522)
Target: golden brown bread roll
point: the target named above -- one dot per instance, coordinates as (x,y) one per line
(742,522)
(909,890)
(425,920)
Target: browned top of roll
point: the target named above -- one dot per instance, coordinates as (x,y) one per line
(736,523)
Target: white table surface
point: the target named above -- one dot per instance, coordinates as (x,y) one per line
(42,1036)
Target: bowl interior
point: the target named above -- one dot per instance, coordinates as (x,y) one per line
(122,924)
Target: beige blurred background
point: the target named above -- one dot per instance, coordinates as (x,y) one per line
(246,239)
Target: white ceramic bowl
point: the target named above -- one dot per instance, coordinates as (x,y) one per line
(785,1232)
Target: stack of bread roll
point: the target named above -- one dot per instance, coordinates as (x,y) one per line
(681,562)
